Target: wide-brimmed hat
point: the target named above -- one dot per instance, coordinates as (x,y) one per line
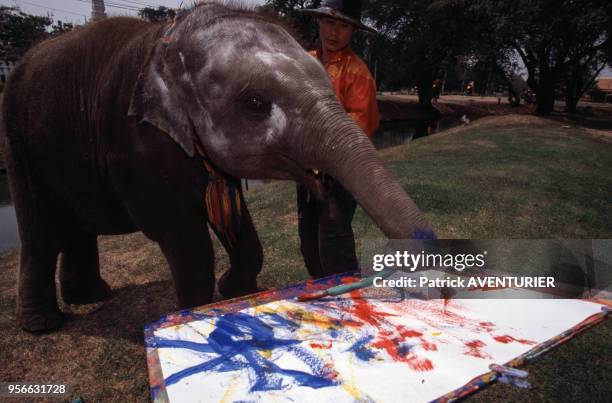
(347,10)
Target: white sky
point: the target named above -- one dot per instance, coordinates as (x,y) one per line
(78,11)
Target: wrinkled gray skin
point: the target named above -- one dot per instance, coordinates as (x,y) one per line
(99,129)
(221,62)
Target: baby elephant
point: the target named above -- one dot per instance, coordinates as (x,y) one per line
(127,126)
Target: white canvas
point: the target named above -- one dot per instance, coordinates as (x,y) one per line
(350,348)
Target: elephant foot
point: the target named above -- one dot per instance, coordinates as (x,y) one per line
(86,295)
(232,288)
(39,320)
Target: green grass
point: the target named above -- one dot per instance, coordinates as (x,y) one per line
(501,177)
(495,180)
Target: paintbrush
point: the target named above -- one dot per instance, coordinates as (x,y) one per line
(344,288)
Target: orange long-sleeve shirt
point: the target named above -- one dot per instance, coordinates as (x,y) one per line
(354,87)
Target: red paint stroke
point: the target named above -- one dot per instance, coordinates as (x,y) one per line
(322,346)
(390,338)
(437,316)
(393,347)
(428,346)
(329,366)
(474,347)
(507,339)
(349,279)
(415,362)
(420,364)
(487,326)
(365,311)
(408,333)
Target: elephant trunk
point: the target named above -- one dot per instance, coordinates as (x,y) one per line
(338,146)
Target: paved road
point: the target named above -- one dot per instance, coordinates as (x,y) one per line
(489,99)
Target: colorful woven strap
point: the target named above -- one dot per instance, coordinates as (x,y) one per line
(223,203)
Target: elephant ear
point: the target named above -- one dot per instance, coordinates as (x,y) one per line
(159,99)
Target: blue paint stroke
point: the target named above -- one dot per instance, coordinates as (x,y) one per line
(191,345)
(404,348)
(360,349)
(241,335)
(424,234)
(277,320)
(313,361)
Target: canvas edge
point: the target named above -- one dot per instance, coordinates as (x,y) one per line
(156,379)
(481,381)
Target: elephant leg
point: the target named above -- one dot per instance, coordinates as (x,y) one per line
(39,229)
(190,255)
(40,226)
(37,308)
(246,258)
(80,270)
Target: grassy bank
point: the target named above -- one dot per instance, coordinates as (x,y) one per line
(501,177)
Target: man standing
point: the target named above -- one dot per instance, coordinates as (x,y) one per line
(326,235)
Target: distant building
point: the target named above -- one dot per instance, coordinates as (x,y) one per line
(604,84)
(98,11)
(5,70)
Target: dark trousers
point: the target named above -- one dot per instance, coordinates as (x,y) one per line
(326,236)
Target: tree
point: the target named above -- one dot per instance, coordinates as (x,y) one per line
(421,36)
(159,14)
(61,27)
(303,25)
(552,37)
(19,31)
(416,38)
(580,78)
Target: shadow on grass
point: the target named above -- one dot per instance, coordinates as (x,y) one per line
(125,313)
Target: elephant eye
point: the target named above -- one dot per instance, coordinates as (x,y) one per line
(255,105)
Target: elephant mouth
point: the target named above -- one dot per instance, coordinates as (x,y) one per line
(309,177)
(313,179)
(286,167)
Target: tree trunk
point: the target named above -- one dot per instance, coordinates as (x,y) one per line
(571,95)
(545,96)
(424,85)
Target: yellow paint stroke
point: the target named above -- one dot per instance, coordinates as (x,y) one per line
(319,322)
(436,333)
(231,388)
(349,384)
(302,317)
(199,332)
(165,355)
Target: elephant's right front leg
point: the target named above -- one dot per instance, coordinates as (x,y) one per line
(176,221)
(191,258)
(162,191)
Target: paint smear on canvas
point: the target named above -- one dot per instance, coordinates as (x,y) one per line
(352,348)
